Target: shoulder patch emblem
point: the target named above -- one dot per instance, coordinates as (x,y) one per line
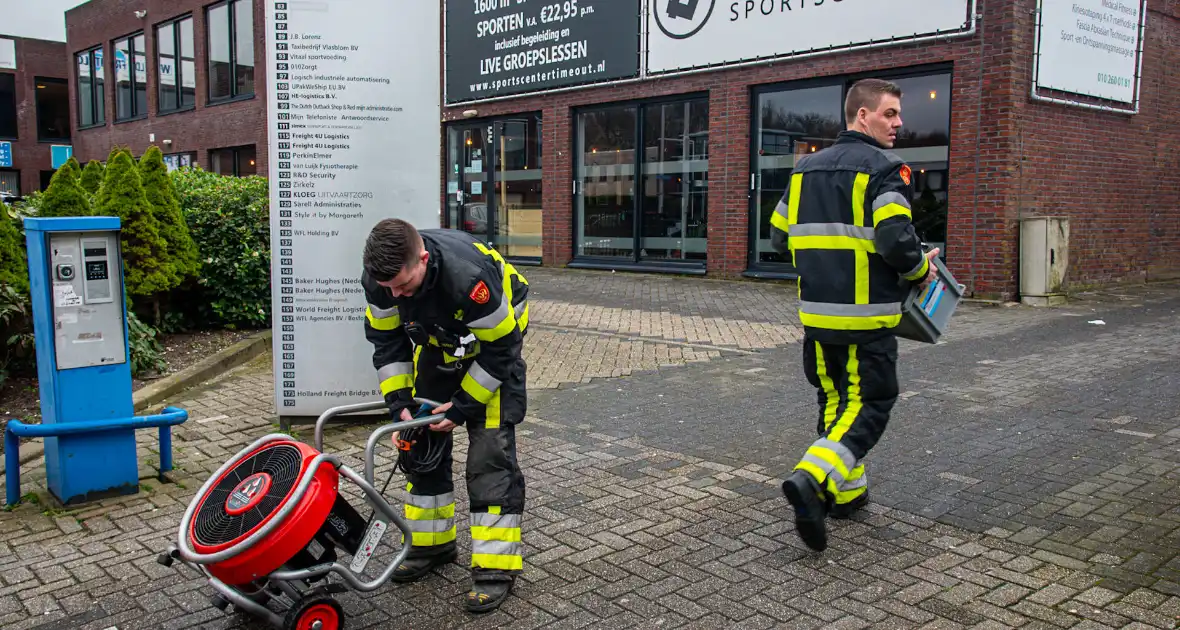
(480,294)
(906,174)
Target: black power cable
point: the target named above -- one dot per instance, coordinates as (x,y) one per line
(420,450)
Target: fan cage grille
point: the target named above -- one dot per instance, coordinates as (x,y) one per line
(214,526)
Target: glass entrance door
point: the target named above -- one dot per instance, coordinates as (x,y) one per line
(517,193)
(494,183)
(467,193)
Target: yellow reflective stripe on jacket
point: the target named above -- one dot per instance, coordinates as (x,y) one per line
(889,205)
(833,316)
(503,320)
(793,198)
(832,242)
(383,318)
(860,188)
(492,327)
(479,384)
(834,322)
(395,376)
(779,217)
(920,271)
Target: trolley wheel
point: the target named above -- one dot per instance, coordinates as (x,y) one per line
(315,613)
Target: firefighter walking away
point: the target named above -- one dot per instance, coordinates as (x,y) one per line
(845,218)
(447,316)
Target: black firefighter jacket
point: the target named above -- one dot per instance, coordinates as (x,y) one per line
(469,291)
(845,218)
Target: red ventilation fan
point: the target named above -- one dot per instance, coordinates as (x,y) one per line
(268,527)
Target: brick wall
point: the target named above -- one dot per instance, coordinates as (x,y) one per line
(34,58)
(992,117)
(1116,176)
(729,136)
(208,126)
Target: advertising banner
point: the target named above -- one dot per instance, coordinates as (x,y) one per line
(683,34)
(353,139)
(1090,47)
(501,47)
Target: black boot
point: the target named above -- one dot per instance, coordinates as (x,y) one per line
(810,509)
(846,510)
(487,595)
(413,569)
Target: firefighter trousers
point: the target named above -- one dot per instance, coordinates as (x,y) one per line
(495,483)
(856,388)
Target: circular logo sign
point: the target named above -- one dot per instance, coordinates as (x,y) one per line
(247,494)
(681,19)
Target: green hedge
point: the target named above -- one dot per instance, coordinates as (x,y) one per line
(196,249)
(229,220)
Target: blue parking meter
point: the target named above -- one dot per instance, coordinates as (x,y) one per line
(83,358)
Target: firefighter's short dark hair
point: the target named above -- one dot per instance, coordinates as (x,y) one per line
(867,93)
(392,244)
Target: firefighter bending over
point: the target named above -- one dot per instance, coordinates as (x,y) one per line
(845,218)
(446,316)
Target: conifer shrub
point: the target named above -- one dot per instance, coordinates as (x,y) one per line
(92,177)
(64,197)
(161,196)
(144,250)
(14,270)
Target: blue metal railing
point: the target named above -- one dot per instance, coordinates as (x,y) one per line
(17,429)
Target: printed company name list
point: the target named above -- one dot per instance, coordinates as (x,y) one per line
(317,126)
(315,129)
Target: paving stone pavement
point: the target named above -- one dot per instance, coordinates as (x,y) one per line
(1030,478)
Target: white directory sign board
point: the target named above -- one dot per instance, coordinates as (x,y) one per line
(7,54)
(354,121)
(1090,47)
(684,34)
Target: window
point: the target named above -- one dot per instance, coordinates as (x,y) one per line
(46,178)
(53,109)
(91,88)
(794,121)
(235,161)
(231,50)
(924,143)
(668,221)
(9,183)
(130,78)
(176,73)
(8,124)
(790,124)
(517,192)
(180,160)
(606,172)
(494,183)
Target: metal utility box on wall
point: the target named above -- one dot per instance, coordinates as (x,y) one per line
(1044,260)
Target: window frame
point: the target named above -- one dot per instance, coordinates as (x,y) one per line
(16,173)
(178,61)
(635,261)
(134,84)
(37,109)
(15,109)
(785,270)
(236,152)
(94,74)
(234,96)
